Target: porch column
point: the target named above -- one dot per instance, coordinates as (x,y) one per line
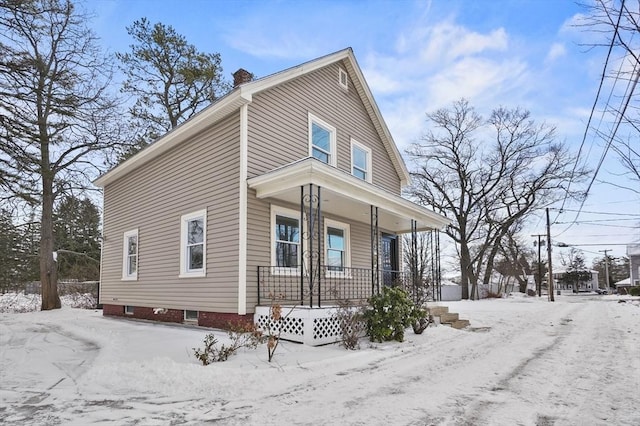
(434,250)
(311,232)
(415,278)
(375,252)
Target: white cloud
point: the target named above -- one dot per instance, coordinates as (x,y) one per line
(556,51)
(449,42)
(285,46)
(432,66)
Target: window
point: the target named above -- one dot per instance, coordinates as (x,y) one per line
(128,310)
(343,80)
(337,255)
(360,161)
(285,237)
(193,244)
(130,255)
(191,316)
(322,140)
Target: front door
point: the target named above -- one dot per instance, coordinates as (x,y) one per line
(389,259)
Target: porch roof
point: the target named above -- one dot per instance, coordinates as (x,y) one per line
(345,195)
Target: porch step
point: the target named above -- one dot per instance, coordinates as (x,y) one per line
(449,318)
(442,316)
(437,311)
(460,324)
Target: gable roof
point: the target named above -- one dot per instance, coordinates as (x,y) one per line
(243,95)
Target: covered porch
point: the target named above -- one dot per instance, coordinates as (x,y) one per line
(311,266)
(312,272)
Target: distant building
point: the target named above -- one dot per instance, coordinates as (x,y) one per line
(633,252)
(588,285)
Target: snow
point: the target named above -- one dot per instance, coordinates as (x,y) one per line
(524,361)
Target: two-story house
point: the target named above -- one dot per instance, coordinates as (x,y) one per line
(288,189)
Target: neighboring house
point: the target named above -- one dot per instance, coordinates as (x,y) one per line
(633,252)
(287,189)
(623,286)
(586,285)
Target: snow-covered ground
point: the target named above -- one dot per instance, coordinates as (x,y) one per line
(528,362)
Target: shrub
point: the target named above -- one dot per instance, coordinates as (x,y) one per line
(634,291)
(241,335)
(389,314)
(493,295)
(352,324)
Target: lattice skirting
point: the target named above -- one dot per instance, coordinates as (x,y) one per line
(311,326)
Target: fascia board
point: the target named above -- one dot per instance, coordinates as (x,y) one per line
(312,171)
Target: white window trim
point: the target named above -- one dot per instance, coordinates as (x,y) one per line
(127,311)
(184,220)
(283,211)
(126,276)
(342,73)
(330,223)
(369,171)
(333,156)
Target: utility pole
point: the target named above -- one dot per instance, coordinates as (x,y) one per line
(606,267)
(550,280)
(539,283)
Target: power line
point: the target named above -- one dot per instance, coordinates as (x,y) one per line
(593,221)
(607,213)
(593,108)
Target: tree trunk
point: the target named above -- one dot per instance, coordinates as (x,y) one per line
(48,269)
(465,266)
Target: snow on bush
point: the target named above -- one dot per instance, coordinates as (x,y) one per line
(20,302)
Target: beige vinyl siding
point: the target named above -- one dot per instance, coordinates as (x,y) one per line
(278,125)
(259,242)
(200,173)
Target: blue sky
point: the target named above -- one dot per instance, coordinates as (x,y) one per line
(418,56)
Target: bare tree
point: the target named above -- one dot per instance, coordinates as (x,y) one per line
(514,259)
(619,24)
(56,112)
(419,261)
(487,176)
(169,79)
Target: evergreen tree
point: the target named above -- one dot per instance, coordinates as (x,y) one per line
(577,270)
(9,261)
(77,233)
(169,79)
(57,116)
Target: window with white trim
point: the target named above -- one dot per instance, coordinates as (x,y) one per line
(343,79)
(360,161)
(130,255)
(193,244)
(322,140)
(337,246)
(190,316)
(128,310)
(285,238)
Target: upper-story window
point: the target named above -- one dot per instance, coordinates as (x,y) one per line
(193,244)
(130,255)
(360,161)
(322,140)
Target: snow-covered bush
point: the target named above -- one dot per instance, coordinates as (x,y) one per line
(21,302)
(241,335)
(389,314)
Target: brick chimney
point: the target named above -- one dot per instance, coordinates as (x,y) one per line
(241,76)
